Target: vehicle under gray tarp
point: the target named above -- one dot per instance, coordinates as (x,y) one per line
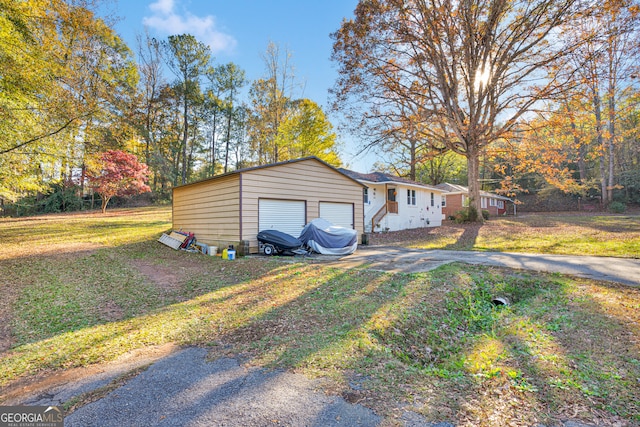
(325,238)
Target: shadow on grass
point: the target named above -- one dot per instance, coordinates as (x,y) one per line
(407,335)
(605,223)
(322,319)
(467,240)
(92,306)
(550,355)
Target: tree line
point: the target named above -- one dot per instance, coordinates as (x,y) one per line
(512,95)
(71,89)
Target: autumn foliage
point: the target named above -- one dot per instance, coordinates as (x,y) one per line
(116,173)
(458,75)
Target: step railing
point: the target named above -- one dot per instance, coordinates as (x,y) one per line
(378,216)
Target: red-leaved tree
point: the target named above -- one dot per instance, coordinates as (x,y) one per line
(116,173)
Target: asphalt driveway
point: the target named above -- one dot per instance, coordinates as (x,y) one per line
(399,259)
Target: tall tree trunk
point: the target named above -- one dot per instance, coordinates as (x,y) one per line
(276,152)
(185,136)
(600,143)
(213,142)
(412,167)
(611,137)
(147,154)
(473,171)
(176,165)
(582,150)
(226,150)
(83,177)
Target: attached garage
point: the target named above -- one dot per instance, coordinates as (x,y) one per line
(232,208)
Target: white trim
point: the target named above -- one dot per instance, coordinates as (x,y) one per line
(399,183)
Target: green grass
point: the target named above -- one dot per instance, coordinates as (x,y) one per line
(611,235)
(564,347)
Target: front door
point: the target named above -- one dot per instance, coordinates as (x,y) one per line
(392,204)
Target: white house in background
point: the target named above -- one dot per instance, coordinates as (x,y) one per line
(392,203)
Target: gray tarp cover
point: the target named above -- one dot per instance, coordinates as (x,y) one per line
(325,238)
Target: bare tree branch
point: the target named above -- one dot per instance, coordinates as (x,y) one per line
(46,135)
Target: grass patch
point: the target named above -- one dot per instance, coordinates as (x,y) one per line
(601,235)
(564,348)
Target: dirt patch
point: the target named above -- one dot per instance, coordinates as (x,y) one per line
(110,311)
(166,278)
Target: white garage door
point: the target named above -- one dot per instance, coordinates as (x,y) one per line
(337,213)
(283,215)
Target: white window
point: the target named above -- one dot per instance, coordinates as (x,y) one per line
(444,201)
(492,202)
(501,204)
(483,202)
(411,197)
(432,200)
(365,195)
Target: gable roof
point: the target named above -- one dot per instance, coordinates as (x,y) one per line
(381,177)
(461,189)
(271,165)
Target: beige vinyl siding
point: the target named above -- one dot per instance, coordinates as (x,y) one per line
(307,180)
(210,209)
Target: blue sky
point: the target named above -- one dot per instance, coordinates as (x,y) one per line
(239,31)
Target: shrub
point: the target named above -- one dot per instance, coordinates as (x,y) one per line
(617,207)
(63,198)
(468,214)
(485,214)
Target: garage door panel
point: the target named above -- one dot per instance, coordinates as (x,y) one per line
(340,214)
(288,216)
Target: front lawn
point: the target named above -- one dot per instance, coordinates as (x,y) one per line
(598,235)
(429,342)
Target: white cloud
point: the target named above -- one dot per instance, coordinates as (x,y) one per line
(162,6)
(165,19)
